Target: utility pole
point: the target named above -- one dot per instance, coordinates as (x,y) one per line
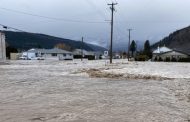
(82,49)
(111,45)
(129,43)
(1,46)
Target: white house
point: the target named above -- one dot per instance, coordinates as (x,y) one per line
(86,54)
(160,50)
(91,55)
(167,54)
(57,54)
(2,47)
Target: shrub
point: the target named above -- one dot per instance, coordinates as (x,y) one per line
(156,59)
(90,57)
(184,60)
(141,58)
(174,60)
(167,59)
(160,59)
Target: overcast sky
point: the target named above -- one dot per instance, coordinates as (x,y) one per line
(150,19)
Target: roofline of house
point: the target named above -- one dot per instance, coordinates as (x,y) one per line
(41,50)
(172,51)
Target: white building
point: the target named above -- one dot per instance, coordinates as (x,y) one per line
(86,54)
(160,50)
(2,47)
(167,54)
(90,55)
(57,54)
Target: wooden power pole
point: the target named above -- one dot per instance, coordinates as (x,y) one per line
(111,45)
(129,43)
(82,48)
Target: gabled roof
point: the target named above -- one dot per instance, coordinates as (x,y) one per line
(173,51)
(162,50)
(49,51)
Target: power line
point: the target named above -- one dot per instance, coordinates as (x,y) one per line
(52,18)
(97,8)
(8,27)
(106,2)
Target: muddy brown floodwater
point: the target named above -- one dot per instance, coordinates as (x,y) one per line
(49,92)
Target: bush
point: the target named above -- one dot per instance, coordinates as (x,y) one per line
(77,56)
(141,58)
(184,60)
(90,57)
(160,59)
(156,59)
(100,57)
(167,59)
(174,60)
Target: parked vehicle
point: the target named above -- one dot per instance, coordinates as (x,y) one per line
(23,58)
(38,58)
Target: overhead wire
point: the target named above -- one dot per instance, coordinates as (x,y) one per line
(102,13)
(9,27)
(51,18)
(92,4)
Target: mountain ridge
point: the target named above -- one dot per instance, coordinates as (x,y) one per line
(25,40)
(178,40)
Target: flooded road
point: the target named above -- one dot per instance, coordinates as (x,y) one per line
(48,93)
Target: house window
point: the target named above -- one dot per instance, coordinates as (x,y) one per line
(54,54)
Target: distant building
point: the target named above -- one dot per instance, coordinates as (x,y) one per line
(2,47)
(117,56)
(160,50)
(90,55)
(167,54)
(40,54)
(15,56)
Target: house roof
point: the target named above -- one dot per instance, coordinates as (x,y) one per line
(161,50)
(174,51)
(50,51)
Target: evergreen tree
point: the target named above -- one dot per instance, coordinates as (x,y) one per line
(133,47)
(147,49)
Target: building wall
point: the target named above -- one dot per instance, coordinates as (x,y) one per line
(15,56)
(50,56)
(173,54)
(170,55)
(58,56)
(35,54)
(66,57)
(29,54)
(2,47)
